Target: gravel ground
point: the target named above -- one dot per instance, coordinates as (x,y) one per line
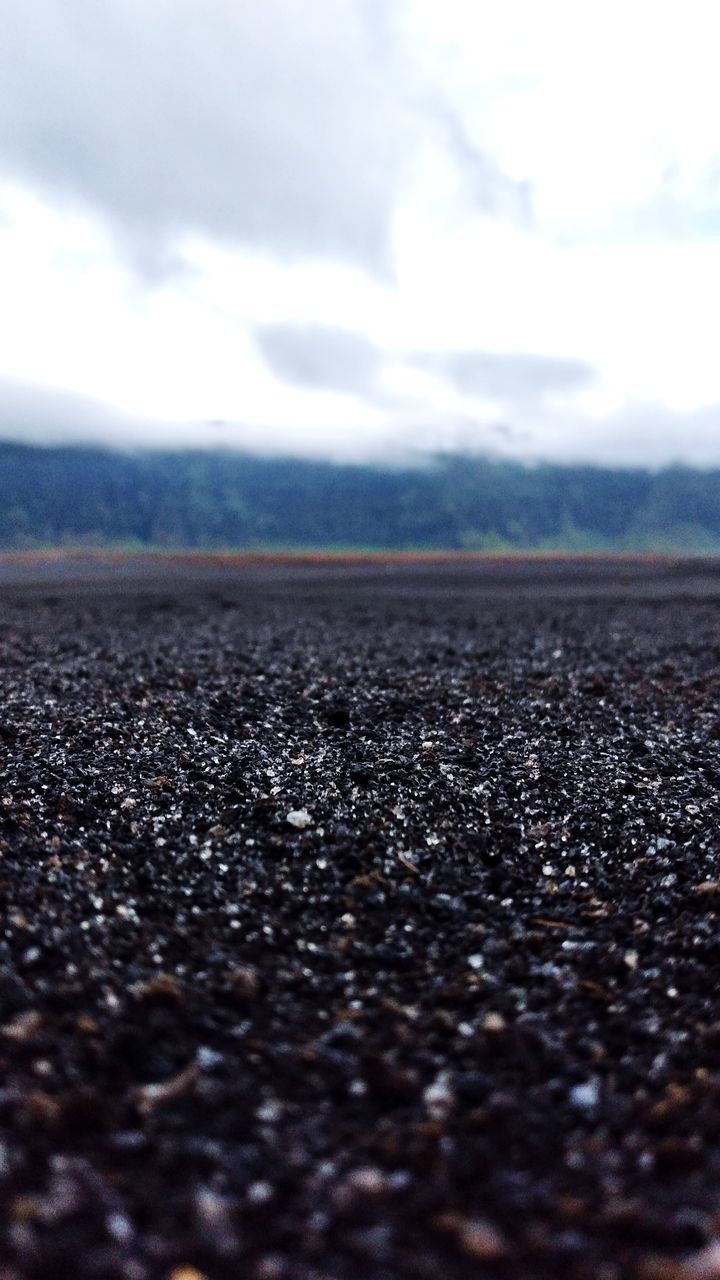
(360,923)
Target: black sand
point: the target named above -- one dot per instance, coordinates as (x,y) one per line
(360,923)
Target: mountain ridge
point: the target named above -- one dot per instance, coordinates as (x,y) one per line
(63,495)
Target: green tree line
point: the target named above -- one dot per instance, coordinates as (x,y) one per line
(64,496)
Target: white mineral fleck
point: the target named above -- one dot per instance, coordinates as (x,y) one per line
(585,1096)
(439,1098)
(299,818)
(259,1192)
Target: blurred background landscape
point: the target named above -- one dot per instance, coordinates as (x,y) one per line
(398,275)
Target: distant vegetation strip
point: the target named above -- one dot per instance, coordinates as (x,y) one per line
(232,559)
(76,497)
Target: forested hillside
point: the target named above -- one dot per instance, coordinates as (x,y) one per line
(73,495)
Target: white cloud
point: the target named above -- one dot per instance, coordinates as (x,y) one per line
(260,216)
(272,124)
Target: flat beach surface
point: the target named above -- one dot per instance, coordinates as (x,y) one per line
(359,918)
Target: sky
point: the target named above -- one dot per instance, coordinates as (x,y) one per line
(363,229)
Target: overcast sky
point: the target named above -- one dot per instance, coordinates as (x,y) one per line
(363,228)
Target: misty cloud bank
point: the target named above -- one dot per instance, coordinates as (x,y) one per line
(47,416)
(636,436)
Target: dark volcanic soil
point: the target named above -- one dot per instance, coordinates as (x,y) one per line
(361,924)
